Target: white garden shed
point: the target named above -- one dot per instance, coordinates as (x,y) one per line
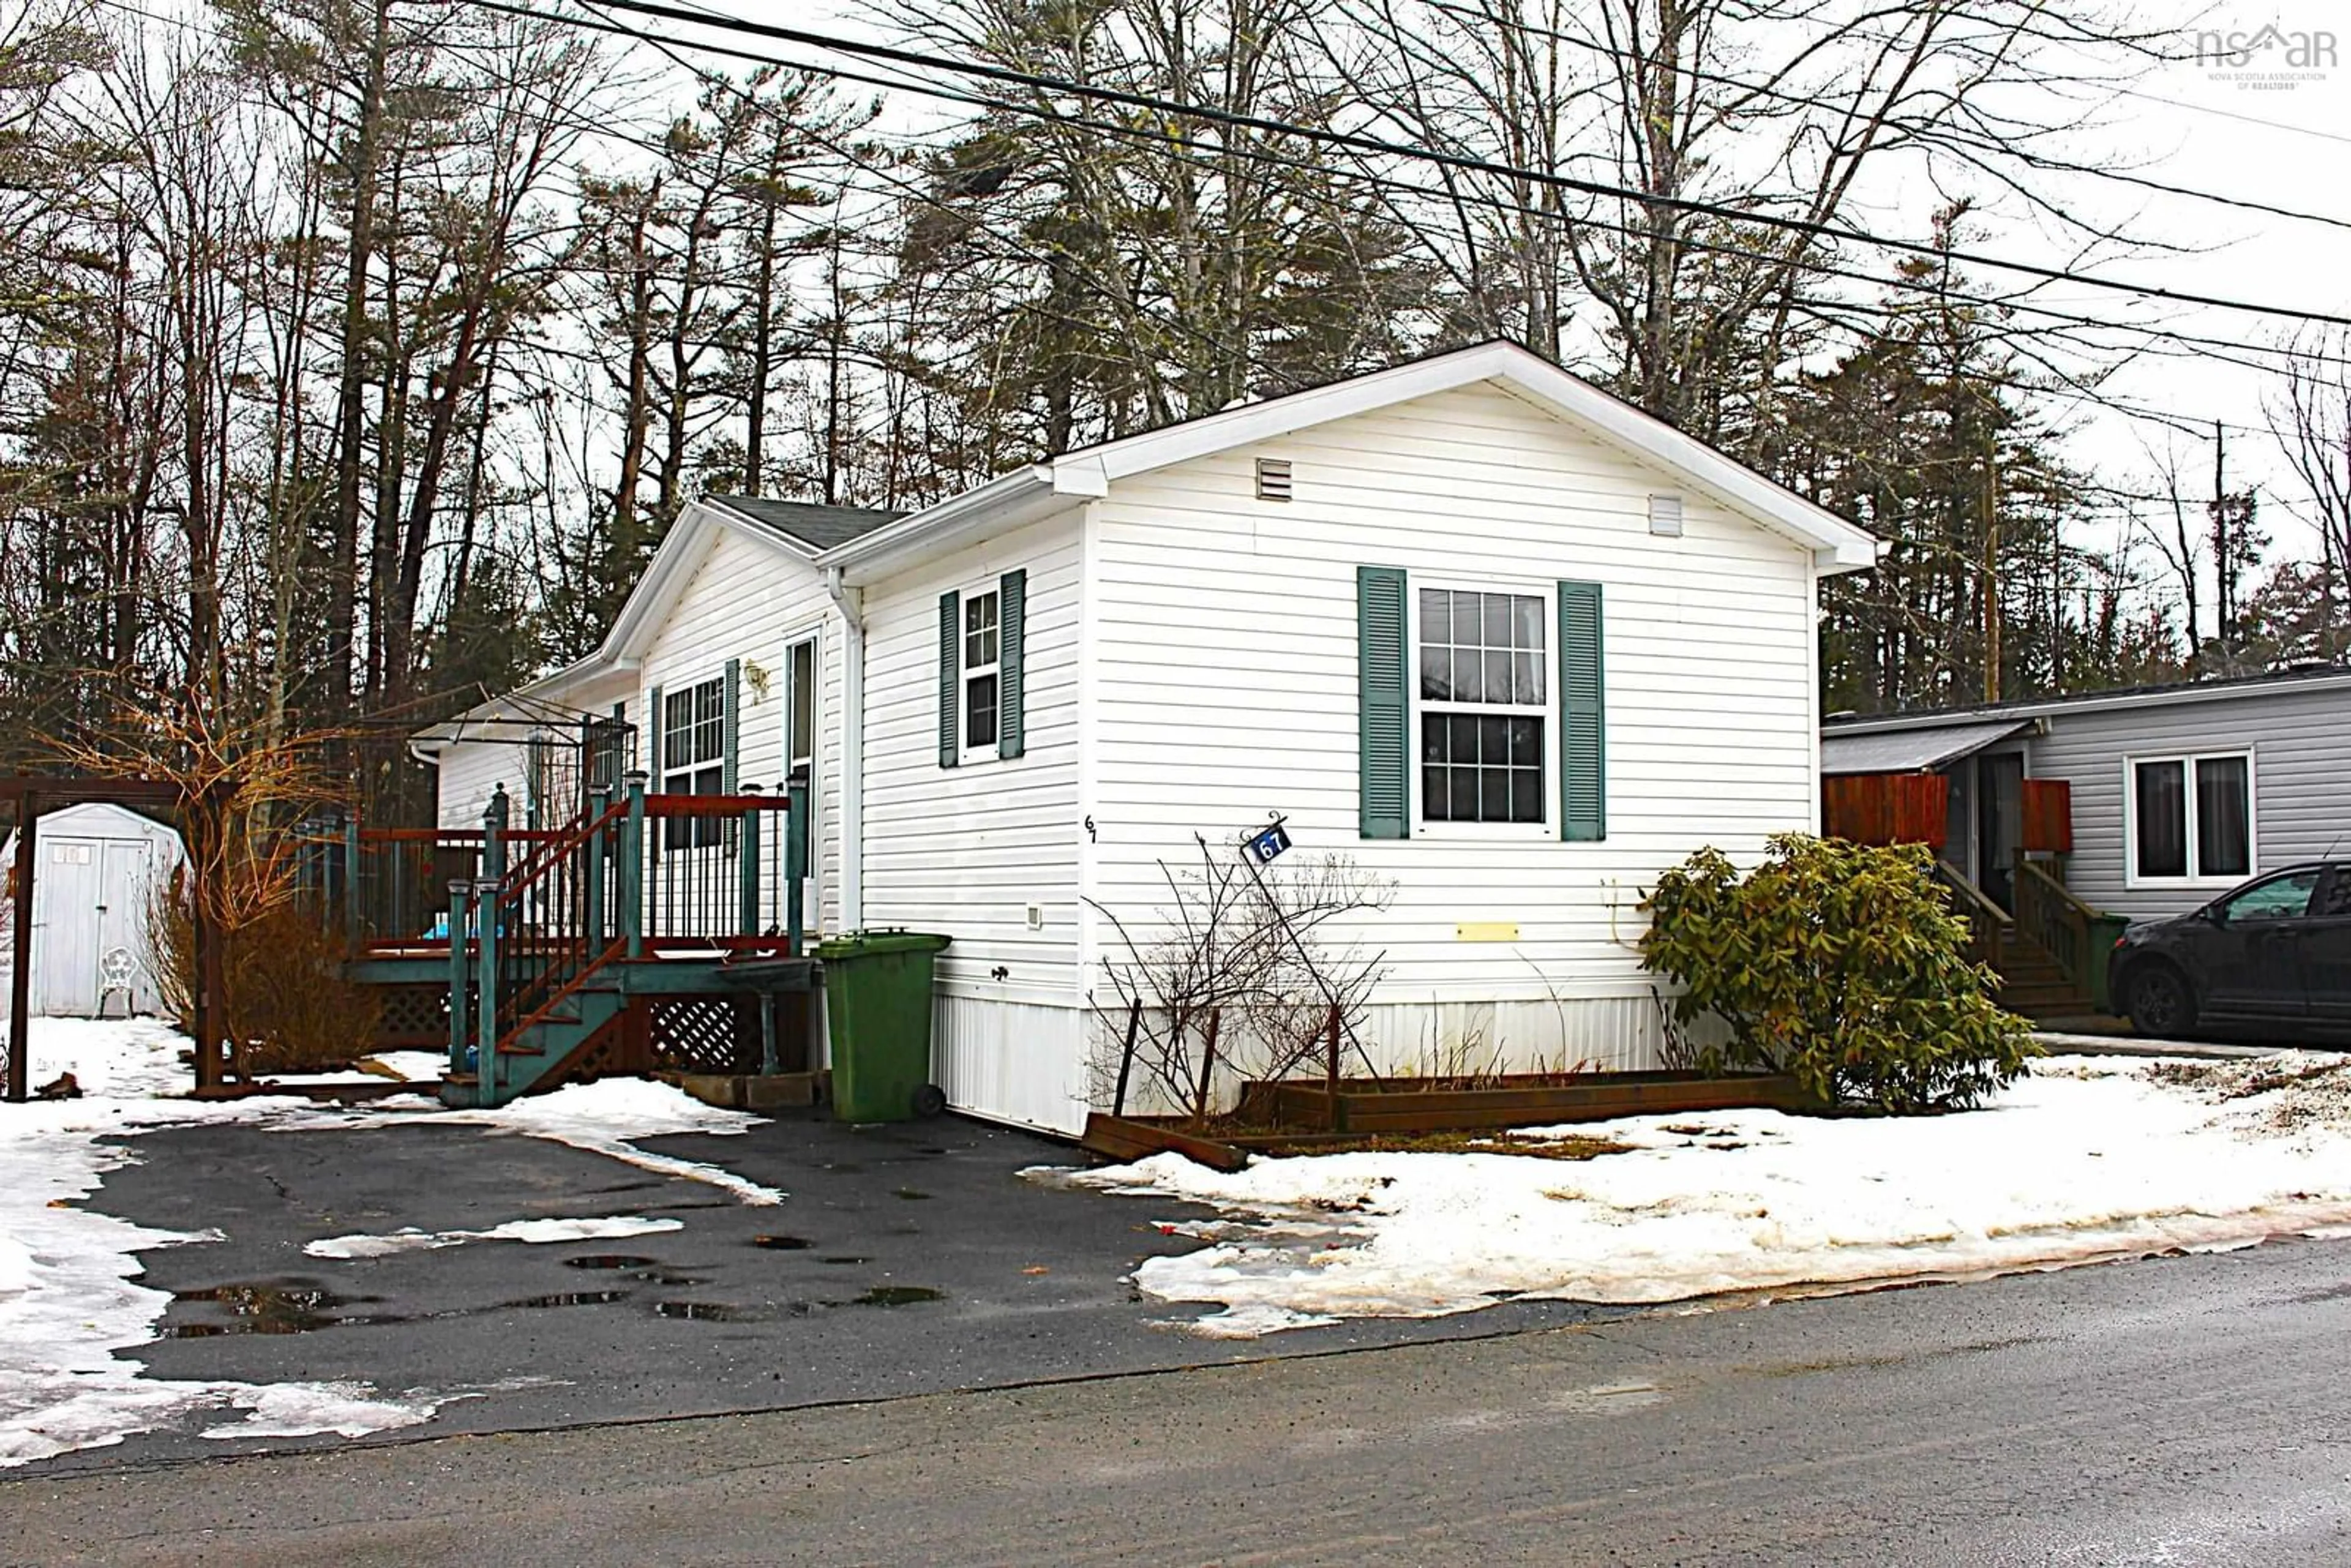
(98,871)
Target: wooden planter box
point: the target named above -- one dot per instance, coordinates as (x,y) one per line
(1290,1112)
(1407,1105)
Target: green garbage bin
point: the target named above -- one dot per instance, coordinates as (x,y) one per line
(2105,930)
(877,998)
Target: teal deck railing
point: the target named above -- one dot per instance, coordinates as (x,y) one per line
(637,878)
(528,919)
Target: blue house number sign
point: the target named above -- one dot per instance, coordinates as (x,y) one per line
(1268,845)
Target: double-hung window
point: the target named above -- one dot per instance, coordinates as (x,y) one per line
(693,756)
(983,655)
(1485,712)
(2190,818)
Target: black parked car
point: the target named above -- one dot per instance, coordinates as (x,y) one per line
(2273,956)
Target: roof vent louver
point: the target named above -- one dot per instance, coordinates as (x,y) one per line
(1273,479)
(1666,517)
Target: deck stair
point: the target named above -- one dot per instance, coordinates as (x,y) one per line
(2042,951)
(554,958)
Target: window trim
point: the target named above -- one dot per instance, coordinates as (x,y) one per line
(1545,591)
(2196,877)
(969,755)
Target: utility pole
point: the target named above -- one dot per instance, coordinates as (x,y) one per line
(2224,602)
(1991,627)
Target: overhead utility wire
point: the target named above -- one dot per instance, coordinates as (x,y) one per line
(1764,89)
(1180,148)
(1039,82)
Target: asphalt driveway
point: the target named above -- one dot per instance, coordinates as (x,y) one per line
(905,1259)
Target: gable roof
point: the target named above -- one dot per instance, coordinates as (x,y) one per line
(813,526)
(1039,488)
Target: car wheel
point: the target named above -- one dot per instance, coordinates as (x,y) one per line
(2162,1004)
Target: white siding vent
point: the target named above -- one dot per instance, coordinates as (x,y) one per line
(1666,517)
(1273,479)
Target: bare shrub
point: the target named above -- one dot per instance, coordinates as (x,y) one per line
(287,1006)
(241,785)
(1243,954)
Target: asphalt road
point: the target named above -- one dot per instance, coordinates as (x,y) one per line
(2173,1411)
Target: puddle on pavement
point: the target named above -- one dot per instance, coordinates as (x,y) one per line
(912,1193)
(565,1299)
(710,1312)
(645,1271)
(782,1243)
(259,1307)
(898,1296)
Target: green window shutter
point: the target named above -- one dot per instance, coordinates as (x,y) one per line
(730,700)
(1582,716)
(1012,619)
(653,711)
(950,672)
(1386,754)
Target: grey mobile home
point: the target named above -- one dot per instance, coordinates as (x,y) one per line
(2142,804)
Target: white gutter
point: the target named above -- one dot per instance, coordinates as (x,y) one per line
(850,601)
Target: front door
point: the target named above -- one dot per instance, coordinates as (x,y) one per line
(2327,949)
(2253,955)
(2000,811)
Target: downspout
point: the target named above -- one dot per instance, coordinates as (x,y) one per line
(851,603)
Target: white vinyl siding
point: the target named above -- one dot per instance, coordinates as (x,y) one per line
(753,600)
(1226,683)
(968,851)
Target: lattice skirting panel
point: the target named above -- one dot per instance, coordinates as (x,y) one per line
(703,1034)
(414,1018)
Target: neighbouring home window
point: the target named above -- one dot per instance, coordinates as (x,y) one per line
(2191,818)
(1483,706)
(983,652)
(693,756)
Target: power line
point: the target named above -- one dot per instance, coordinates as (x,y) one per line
(1036,81)
(1180,147)
(1764,89)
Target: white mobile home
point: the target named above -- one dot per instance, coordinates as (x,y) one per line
(1513,645)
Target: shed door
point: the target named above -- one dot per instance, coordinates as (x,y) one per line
(65,900)
(124,890)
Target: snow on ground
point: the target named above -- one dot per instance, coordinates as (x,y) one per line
(69,1303)
(2090,1158)
(536,1231)
(605,1118)
(415,1066)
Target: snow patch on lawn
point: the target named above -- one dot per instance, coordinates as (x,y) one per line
(536,1231)
(414,1066)
(2090,1158)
